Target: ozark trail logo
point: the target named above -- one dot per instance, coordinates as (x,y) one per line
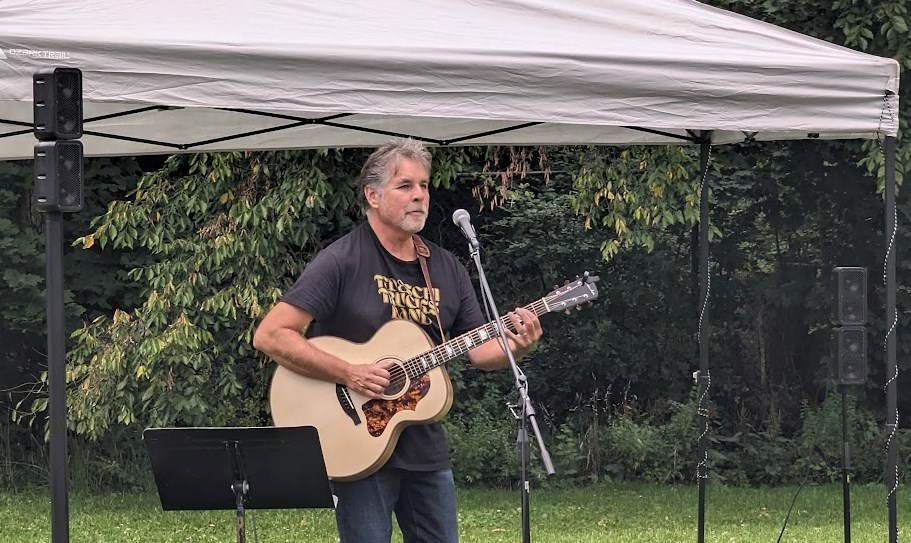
(34,53)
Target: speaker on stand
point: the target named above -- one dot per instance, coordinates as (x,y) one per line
(58,176)
(849,338)
(850,355)
(57,98)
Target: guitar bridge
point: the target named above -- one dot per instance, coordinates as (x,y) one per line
(344,400)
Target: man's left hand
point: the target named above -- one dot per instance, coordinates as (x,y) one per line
(528,331)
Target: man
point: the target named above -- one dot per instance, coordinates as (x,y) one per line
(349,290)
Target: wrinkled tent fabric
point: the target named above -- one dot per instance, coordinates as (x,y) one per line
(472,72)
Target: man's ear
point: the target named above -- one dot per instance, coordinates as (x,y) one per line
(371,196)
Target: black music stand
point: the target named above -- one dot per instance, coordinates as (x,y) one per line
(238,468)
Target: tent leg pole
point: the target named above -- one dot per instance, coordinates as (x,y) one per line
(892,321)
(703,378)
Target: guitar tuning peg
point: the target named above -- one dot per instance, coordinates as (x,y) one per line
(566,282)
(578,308)
(556,287)
(568,311)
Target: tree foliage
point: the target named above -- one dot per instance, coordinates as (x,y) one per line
(636,192)
(92,285)
(228,232)
(20,245)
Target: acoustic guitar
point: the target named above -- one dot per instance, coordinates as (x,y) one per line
(357,433)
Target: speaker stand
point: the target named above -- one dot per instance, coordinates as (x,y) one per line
(845,463)
(56,376)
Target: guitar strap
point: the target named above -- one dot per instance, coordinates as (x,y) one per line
(423,252)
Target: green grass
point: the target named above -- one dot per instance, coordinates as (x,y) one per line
(607,512)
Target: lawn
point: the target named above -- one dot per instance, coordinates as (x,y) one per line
(605,512)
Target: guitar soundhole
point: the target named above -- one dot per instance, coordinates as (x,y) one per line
(378,413)
(398,381)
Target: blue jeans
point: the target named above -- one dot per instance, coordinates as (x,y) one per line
(423,503)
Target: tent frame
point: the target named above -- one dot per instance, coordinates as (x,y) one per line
(296,121)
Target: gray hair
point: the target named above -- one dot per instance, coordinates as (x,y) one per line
(381,164)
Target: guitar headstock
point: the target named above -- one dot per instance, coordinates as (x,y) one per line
(573,293)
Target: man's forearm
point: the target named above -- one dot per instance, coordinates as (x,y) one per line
(490,356)
(299,355)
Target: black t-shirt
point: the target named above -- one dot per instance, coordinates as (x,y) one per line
(354,286)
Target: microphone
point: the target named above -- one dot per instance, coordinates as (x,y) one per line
(462,219)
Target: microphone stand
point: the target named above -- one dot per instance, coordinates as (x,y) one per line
(523,411)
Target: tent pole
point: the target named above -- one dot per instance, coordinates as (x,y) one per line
(703,379)
(892,321)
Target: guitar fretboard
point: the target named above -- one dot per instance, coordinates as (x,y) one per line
(460,345)
(571,296)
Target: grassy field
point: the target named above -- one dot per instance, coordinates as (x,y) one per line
(607,512)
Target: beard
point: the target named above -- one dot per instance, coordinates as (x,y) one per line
(413,223)
(407,221)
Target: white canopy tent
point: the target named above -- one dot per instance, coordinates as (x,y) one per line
(206,75)
(210,75)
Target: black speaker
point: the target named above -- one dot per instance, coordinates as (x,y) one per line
(58,176)
(57,96)
(850,307)
(851,354)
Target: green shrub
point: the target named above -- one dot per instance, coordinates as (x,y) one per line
(820,441)
(482,447)
(660,444)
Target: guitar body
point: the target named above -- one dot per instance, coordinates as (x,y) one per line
(358,434)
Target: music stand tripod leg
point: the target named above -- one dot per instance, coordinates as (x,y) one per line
(240,489)
(239,486)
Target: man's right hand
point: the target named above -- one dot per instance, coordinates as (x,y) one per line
(369,379)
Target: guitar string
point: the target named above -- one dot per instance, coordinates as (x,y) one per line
(455,347)
(440,354)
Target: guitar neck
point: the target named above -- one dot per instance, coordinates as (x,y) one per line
(460,345)
(581,291)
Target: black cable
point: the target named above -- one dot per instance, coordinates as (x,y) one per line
(788,516)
